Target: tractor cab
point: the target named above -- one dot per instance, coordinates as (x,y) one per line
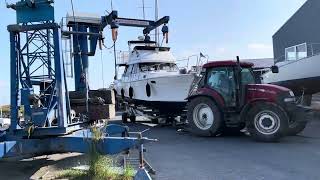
(228,97)
(229,80)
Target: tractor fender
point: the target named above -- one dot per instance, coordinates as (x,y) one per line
(219,102)
(212,94)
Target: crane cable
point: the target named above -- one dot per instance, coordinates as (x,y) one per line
(102,68)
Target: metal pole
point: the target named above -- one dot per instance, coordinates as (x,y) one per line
(60,81)
(157,37)
(14,83)
(143,10)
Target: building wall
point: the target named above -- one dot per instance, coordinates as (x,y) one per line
(303,26)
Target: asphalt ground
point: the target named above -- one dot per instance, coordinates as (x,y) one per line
(179,155)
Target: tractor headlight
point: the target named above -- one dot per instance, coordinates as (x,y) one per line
(291,98)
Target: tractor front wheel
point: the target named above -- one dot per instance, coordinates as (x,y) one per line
(267,122)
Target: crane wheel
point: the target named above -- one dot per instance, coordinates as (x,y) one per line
(267,122)
(204,117)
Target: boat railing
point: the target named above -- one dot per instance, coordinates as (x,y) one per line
(122,57)
(192,63)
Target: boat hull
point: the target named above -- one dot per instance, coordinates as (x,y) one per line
(302,76)
(173,88)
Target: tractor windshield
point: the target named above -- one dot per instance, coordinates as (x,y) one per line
(247,76)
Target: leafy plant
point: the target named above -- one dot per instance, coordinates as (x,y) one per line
(100,167)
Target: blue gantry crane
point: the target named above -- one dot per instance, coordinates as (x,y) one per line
(39,85)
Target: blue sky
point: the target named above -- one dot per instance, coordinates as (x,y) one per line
(222,29)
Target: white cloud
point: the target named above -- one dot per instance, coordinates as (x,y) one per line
(221,50)
(260,47)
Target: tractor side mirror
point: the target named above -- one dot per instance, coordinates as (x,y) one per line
(275,69)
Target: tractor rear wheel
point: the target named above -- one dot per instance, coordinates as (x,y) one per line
(204,117)
(267,122)
(296,128)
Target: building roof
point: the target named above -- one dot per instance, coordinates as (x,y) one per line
(261,63)
(226,63)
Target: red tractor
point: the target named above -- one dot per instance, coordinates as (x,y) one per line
(228,98)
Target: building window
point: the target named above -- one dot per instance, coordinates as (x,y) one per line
(302,51)
(296,52)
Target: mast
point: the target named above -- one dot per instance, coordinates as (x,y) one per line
(157,37)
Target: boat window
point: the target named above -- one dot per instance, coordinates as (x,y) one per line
(296,52)
(301,51)
(158,66)
(291,54)
(168,67)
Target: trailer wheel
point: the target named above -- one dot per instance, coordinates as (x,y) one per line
(124,117)
(296,128)
(204,117)
(267,122)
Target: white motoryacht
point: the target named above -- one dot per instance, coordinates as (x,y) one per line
(151,78)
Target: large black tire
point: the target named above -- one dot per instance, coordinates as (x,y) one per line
(267,122)
(124,117)
(205,122)
(296,128)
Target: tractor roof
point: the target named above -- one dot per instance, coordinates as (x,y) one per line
(226,63)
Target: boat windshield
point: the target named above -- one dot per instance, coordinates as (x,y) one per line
(158,67)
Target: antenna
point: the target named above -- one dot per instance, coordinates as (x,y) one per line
(143,10)
(111,5)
